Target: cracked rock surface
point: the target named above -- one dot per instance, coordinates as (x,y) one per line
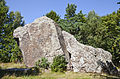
(44,38)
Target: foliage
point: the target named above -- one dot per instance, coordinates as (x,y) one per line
(89,32)
(102,32)
(43,63)
(111,35)
(70,11)
(53,15)
(59,64)
(90,29)
(9,50)
(72,21)
(118,2)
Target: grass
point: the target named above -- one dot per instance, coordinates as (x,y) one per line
(12,65)
(47,74)
(54,75)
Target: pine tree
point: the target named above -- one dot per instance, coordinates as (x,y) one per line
(53,15)
(70,11)
(72,20)
(9,50)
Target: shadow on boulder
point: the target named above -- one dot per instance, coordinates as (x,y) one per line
(108,68)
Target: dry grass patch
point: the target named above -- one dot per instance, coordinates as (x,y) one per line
(12,65)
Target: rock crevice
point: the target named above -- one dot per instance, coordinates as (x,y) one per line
(44,38)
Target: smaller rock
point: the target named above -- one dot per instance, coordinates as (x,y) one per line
(86,58)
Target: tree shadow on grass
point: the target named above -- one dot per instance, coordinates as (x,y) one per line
(19,72)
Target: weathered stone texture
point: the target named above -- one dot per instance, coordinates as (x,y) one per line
(38,39)
(44,38)
(85,58)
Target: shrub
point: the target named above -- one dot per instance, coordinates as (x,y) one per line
(59,64)
(43,63)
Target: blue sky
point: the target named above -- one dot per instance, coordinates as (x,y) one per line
(32,9)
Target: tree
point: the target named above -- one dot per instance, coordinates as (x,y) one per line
(93,29)
(103,32)
(53,15)
(3,14)
(9,50)
(118,2)
(72,20)
(70,11)
(111,34)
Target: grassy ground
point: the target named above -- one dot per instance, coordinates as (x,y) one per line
(48,74)
(53,75)
(12,65)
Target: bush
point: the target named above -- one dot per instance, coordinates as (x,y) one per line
(59,64)
(43,63)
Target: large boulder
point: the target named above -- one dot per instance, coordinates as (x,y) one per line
(38,39)
(44,38)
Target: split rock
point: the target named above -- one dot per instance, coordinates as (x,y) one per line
(44,38)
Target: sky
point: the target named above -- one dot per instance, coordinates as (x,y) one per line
(32,9)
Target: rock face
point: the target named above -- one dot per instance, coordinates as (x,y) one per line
(85,58)
(38,39)
(44,38)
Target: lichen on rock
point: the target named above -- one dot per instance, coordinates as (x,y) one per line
(44,38)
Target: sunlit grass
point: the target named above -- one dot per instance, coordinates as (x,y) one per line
(45,75)
(48,74)
(54,75)
(12,65)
